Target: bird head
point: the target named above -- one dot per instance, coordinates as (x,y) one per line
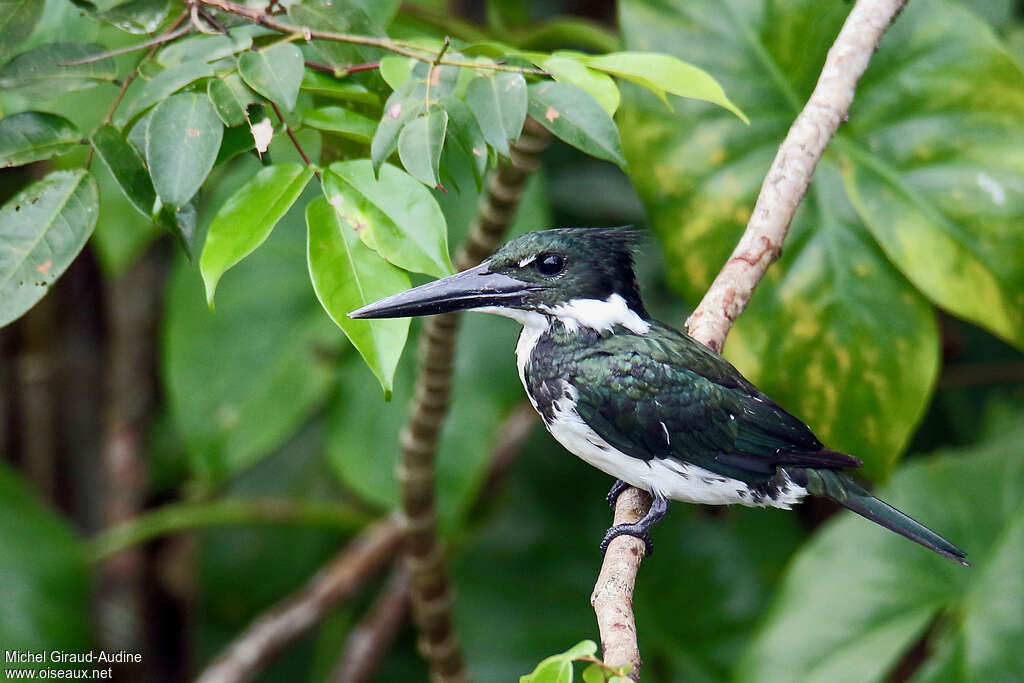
(583,275)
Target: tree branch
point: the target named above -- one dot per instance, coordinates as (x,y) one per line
(376,631)
(293,616)
(783,188)
(431,598)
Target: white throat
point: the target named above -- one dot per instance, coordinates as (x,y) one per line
(598,315)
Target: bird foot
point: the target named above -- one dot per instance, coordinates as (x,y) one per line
(613,495)
(635,530)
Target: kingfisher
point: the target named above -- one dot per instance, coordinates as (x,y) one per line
(637,399)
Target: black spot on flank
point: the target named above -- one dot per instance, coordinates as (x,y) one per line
(567,394)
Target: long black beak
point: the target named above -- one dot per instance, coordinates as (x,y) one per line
(473,288)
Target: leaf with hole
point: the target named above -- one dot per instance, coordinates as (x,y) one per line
(42,229)
(274,72)
(127,167)
(32,136)
(182,140)
(393,214)
(347,275)
(420,144)
(575,117)
(246,219)
(499,104)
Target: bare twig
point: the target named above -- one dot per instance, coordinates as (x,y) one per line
(293,616)
(173,34)
(783,188)
(397,46)
(431,598)
(295,141)
(376,631)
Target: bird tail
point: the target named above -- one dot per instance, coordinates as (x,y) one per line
(840,488)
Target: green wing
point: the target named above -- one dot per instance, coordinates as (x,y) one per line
(662,394)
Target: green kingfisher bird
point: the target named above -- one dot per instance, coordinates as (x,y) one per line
(637,399)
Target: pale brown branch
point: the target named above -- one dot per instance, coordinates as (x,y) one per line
(783,189)
(360,561)
(371,638)
(397,46)
(431,597)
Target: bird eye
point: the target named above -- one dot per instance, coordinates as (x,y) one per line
(550,264)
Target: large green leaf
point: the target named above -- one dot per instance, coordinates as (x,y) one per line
(574,116)
(31,136)
(348,275)
(598,85)
(499,103)
(182,140)
(18,18)
(226,372)
(420,144)
(38,73)
(857,597)
(164,84)
(42,229)
(340,17)
(45,576)
(205,48)
(126,166)
(399,109)
(394,215)
(274,72)
(245,220)
(834,332)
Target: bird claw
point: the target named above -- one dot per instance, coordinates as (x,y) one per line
(634,530)
(613,495)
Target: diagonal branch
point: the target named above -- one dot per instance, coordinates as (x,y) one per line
(431,597)
(783,188)
(360,561)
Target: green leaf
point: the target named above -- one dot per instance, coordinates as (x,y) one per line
(18,19)
(835,332)
(857,597)
(399,109)
(164,84)
(554,669)
(46,576)
(225,373)
(420,144)
(593,674)
(344,122)
(339,17)
(182,140)
(138,16)
(575,117)
(205,48)
(127,168)
(231,99)
(662,73)
(322,84)
(32,136)
(246,219)
(598,85)
(38,73)
(499,103)
(42,229)
(464,132)
(274,72)
(396,70)
(395,215)
(347,275)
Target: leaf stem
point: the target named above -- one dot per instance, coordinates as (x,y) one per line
(295,141)
(398,47)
